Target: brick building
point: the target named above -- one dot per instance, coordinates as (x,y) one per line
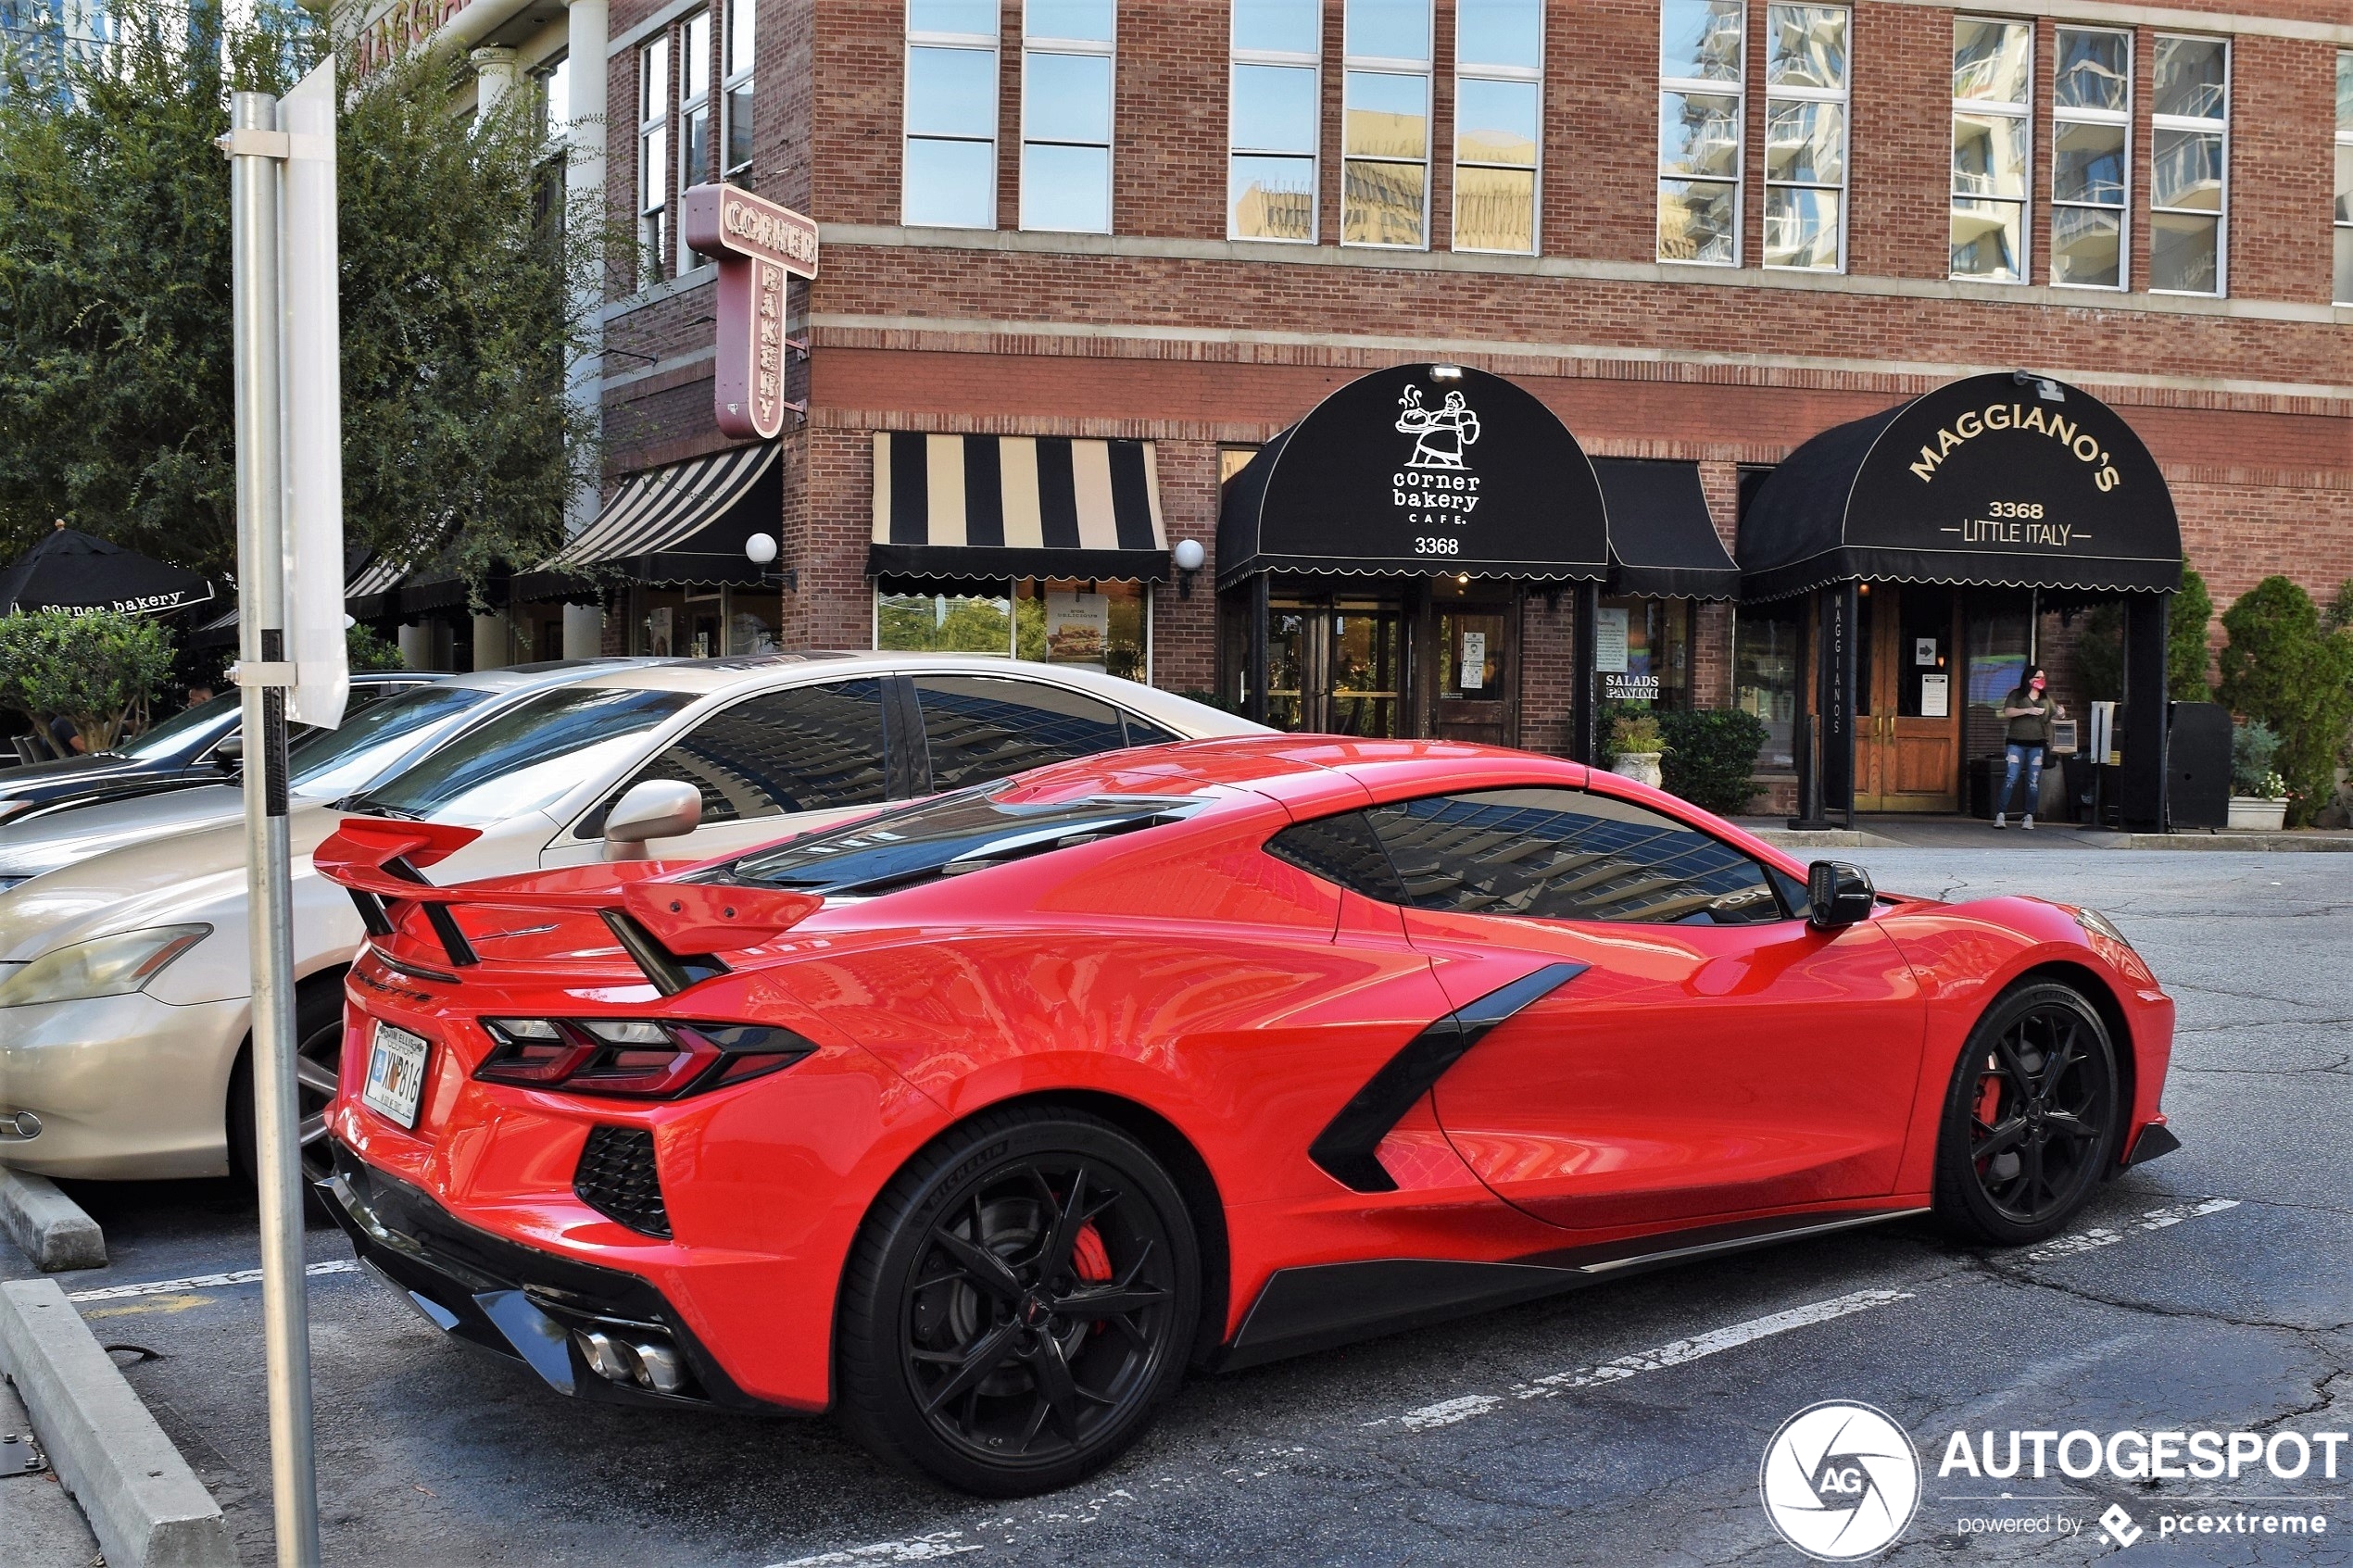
(1062,234)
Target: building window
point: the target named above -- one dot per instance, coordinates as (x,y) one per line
(653,156)
(1067,77)
(2189,164)
(1274,110)
(1384,187)
(1993,147)
(551,110)
(693,114)
(2091,140)
(1703,55)
(2344,293)
(1095,625)
(1643,651)
(737,86)
(950,178)
(1499,115)
(1767,640)
(1805,137)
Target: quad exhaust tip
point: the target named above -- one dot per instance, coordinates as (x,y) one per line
(644,1363)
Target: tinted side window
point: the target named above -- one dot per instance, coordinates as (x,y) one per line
(1558,854)
(982,728)
(1143,731)
(807,748)
(1343,849)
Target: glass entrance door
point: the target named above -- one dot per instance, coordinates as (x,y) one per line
(1335,667)
(1474,673)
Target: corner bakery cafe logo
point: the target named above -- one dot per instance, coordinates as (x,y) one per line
(1435,486)
(1841,1481)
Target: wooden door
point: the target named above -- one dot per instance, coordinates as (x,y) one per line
(1907,720)
(1476,656)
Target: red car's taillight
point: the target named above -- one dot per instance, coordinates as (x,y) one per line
(632,1057)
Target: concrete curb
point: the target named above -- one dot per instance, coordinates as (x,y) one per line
(144,1503)
(1824,838)
(46,1225)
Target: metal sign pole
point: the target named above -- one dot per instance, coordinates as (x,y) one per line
(255,148)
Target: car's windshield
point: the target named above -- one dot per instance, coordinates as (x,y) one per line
(945,836)
(334,762)
(525,759)
(178,730)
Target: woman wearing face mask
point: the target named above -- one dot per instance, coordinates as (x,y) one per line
(2029,711)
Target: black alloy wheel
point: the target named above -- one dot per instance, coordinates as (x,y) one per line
(1022,1296)
(318,1071)
(2033,1117)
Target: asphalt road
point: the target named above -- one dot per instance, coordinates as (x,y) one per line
(1625,1423)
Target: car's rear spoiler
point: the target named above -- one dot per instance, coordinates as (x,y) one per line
(671,929)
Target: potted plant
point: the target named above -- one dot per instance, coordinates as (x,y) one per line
(2259,795)
(1639,749)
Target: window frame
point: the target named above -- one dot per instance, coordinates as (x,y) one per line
(2340,227)
(737,76)
(2221,127)
(2023,114)
(2066,116)
(1426,70)
(1843,98)
(1483,72)
(1236,58)
(1737,90)
(1086,48)
(655,69)
(683,31)
(991,44)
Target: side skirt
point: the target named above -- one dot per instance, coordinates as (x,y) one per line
(1323,1305)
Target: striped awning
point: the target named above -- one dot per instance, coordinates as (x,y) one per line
(1016,506)
(684,523)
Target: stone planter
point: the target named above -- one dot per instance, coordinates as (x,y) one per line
(2254,812)
(1642,767)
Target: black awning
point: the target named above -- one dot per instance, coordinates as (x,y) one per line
(1662,542)
(73,571)
(1016,506)
(1413,471)
(683,522)
(2003,481)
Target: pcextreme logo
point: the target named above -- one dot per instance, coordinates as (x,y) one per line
(1840,1481)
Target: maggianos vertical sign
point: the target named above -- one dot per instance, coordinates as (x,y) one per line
(759,246)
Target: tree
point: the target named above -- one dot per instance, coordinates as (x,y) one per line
(94,670)
(2282,668)
(2186,656)
(461,300)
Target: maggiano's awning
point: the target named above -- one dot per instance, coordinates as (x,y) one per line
(1662,542)
(1413,471)
(1016,506)
(684,523)
(2013,480)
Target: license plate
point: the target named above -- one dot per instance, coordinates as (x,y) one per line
(396,1074)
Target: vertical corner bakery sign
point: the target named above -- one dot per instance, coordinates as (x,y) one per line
(1408,470)
(758,245)
(2019,479)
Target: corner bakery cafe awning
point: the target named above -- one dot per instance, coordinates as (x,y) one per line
(1015,506)
(1422,469)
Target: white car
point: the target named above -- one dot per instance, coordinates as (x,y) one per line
(124,979)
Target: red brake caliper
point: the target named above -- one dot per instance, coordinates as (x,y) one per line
(1092,1261)
(1989,1099)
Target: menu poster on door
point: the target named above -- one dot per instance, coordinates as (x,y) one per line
(1078,625)
(1937,697)
(1609,639)
(1474,661)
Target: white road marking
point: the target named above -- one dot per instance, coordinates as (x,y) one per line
(204,1282)
(916,1549)
(1446,1412)
(2102,1235)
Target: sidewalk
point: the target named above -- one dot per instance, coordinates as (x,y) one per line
(45,1530)
(1905,831)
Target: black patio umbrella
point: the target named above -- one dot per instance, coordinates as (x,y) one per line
(74,571)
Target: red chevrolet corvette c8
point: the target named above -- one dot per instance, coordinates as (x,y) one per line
(980,1119)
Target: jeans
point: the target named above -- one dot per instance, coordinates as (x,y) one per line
(2013,755)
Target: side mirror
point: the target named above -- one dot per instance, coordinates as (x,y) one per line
(1839,893)
(229,752)
(653,808)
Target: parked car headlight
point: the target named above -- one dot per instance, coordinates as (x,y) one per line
(2093,921)
(104,966)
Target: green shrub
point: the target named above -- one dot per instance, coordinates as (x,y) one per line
(2284,668)
(2187,657)
(94,670)
(2255,747)
(1636,732)
(366,650)
(1711,754)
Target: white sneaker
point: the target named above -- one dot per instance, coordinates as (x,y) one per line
(2029,823)
(2001,819)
